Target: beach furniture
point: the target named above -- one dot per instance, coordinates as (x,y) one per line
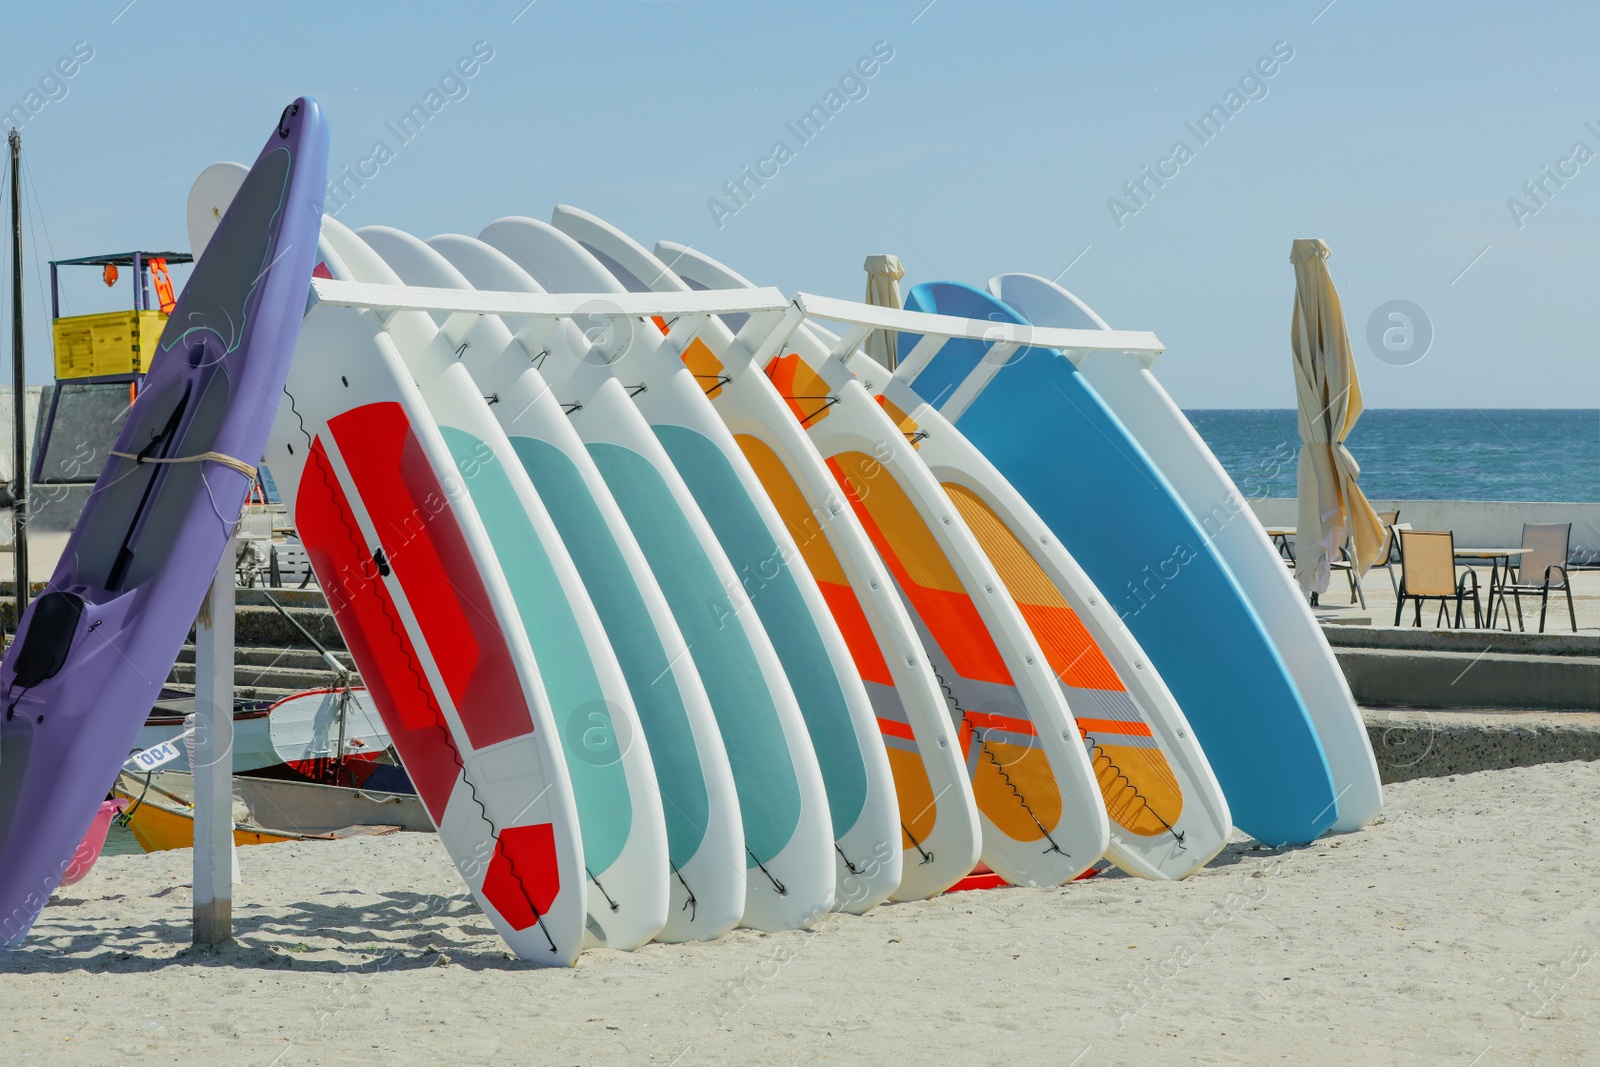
(1390,552)
(1428,572)
(1539,570)
(1346,563)
(1333,509)
(1282,538)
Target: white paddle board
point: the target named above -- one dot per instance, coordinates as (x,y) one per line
(608,759)
(696,783)
(426,614)
(782,804)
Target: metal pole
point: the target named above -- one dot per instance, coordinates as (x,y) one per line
(19,386)
(213,757)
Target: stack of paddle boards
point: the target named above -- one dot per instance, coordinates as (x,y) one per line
(683,613)
(686,615)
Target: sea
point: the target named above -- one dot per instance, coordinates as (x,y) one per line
(1424,453)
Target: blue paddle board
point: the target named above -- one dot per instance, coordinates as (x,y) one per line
(1047,431)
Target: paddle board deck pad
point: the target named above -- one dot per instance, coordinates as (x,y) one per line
(789,854)
(941,837)
(1133,394)
(1167,812)
(1043,820)
(404,560)
(691,766)
(797,501)
(91,652)
(1049,434)
(608,759)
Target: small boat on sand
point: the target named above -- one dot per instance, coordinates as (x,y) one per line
(160,810)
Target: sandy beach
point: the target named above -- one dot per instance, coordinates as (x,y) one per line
(1462,928)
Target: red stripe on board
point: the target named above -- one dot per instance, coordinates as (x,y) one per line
(372,630)
(524,878)
(983,878)
(429,554)
(978,881)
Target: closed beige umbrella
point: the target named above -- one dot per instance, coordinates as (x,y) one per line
(1332,506)
(883,290)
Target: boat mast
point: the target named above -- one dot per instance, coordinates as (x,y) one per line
(19,406)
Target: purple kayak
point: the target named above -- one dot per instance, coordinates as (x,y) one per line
(93,650)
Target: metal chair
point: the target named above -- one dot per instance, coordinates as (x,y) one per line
(1347,561)
(1428,572)
(1391,548)
(1538,571)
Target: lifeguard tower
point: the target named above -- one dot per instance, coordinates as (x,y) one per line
(100,361)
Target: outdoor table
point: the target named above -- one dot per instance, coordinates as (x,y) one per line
(1282,536)
(1498,558)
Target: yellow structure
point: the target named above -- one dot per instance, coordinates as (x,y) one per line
(112,342)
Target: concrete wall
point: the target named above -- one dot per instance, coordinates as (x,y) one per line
(1476,523)
(38,401)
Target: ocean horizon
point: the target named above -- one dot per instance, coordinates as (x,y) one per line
(1521,454)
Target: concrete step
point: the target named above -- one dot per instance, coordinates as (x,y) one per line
(1426,743)
(1472,641)
(263,626)
(297,658)
(288,679)
(269,693)
(1387,677)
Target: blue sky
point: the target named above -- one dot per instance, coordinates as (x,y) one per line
(992,140)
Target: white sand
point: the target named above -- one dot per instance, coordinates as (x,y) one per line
(1465,928)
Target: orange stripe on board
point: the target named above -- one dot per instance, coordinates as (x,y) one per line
(1113,726)
(915,559)
(990,721)
(919,808)
(870,484)
(857,632)
(906,424)
(804,526)
(803,389)
(705,366)
(1071,652)
(891,728)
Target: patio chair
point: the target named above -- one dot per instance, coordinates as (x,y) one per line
(1347,562)
(1428,572)
(1538,571)
(1391,549)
